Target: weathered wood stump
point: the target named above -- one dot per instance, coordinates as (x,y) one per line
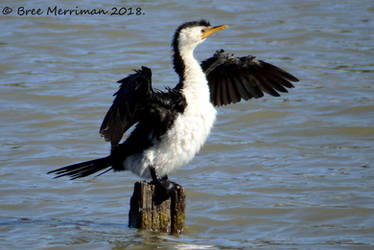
(148,212)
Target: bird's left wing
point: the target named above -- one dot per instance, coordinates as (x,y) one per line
(128,105)
(231,79)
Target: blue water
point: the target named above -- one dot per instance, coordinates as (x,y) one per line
(288,172)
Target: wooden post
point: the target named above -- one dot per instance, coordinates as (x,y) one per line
(149,213)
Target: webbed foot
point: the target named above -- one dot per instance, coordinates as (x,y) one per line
(164,187)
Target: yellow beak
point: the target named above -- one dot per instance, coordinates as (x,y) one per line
(210,30)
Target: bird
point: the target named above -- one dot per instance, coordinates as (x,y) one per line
(171,126)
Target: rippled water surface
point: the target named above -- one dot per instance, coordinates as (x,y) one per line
(289,172)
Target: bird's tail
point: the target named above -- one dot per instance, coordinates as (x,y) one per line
(84,168)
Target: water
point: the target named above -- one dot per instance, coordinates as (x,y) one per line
(289,172)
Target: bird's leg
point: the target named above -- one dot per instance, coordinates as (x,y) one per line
(164,187)
(153,175)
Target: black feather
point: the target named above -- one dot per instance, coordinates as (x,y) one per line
(242,92)
(252,88)
(135,90)
(83,169)
(231,78)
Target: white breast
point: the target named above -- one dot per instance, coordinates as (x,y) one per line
(184,139)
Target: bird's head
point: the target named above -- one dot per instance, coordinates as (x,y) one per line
(186,38)
(191,34)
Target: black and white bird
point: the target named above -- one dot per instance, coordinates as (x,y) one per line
(172,126)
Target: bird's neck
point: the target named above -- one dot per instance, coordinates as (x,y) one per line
(193,83)
(188,68)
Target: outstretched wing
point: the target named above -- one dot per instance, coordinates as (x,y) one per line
(128,105)
(231,79)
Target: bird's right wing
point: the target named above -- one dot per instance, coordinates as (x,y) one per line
(128,105)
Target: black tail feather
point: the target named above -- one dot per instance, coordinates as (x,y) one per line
(83,169)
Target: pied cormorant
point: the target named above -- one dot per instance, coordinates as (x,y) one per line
(172,126)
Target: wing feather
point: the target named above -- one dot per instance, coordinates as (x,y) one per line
(128,105)
(241,91)
(232,95)
(223,94)
(231,78)
(217,94)
(253,88)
